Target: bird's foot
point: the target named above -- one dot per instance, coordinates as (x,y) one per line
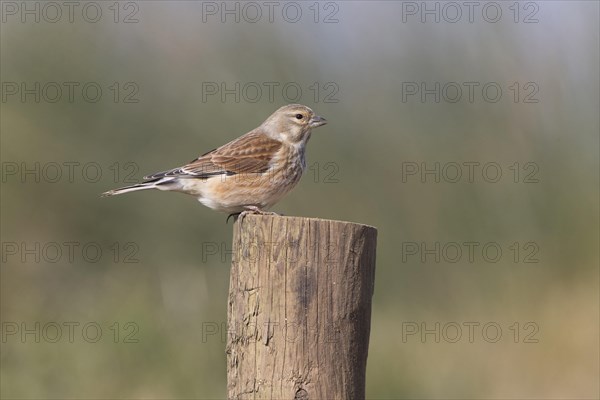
(249,210)
(254,210)
(234,215)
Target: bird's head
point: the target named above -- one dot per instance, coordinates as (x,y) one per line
(293,123)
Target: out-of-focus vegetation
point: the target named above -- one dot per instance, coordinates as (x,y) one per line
(177,291)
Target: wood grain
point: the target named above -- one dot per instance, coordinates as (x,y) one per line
(299,309)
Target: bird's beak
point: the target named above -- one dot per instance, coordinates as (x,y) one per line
(317,121)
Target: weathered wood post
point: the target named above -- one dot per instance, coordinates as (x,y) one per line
(299,309)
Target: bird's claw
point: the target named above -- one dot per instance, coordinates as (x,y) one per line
(234,215)
(249,210)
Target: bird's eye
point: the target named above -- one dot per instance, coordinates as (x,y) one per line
(299,116)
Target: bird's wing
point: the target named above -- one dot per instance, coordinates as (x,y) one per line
(250,153)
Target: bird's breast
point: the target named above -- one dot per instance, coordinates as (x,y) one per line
(290,163)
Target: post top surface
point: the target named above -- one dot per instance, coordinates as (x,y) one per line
(306,219)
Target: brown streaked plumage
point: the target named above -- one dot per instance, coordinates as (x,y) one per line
(250,173)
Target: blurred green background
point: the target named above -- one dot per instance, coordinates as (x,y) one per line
(361,65)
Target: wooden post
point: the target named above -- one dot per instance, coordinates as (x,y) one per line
(299,309)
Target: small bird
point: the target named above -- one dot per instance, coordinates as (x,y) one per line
(248,174)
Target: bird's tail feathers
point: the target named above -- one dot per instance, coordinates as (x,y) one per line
(127,189)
